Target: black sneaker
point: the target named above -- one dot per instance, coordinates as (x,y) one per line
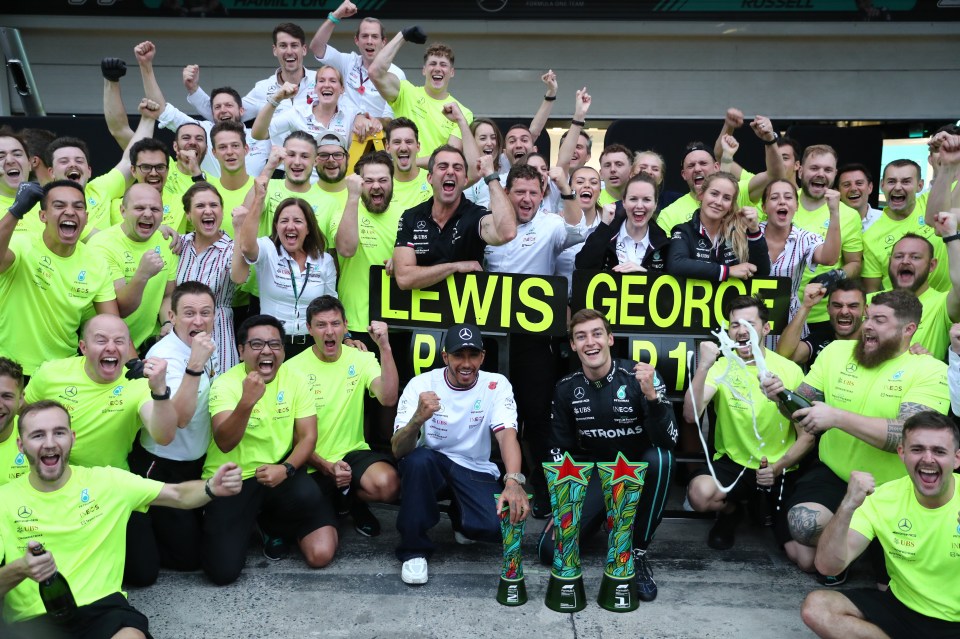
(832,581)
(646,586)
(364,521)
(274,548)
(723,533)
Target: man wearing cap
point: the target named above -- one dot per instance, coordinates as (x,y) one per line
(441,439)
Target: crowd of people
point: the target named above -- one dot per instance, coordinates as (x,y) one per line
(198,339)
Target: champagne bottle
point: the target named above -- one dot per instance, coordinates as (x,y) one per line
(792,401)
(55,592)
(764,494)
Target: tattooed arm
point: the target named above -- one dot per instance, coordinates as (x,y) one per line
(882,433)
(839,545)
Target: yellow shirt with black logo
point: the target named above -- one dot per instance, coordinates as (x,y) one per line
(83,524)
(268,437)
(338,389)
(173,189)
(122,255)
(873,392)
(101,192)
(735,436)
(105,417)
(317,198)
(407,195)
(921,546)
(231,200)
(13,463)
(851,241)
(46,297)
(435,129)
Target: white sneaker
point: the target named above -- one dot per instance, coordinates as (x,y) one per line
(462,539)
(414,571)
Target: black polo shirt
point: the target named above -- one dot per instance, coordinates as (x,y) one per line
(458,241)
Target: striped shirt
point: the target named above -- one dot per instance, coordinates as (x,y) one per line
(797,254)
(212,267)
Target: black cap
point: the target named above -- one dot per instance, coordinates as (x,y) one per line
(461,336)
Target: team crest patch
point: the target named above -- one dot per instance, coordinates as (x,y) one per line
(476,405)
(82,275)
(351,371)
(117,390)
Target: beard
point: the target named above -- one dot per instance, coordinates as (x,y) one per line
(341,173)
(918,281)
(376,208)
(885,351)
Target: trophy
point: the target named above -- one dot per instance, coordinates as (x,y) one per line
(512,590)
(567,484)
(622,483)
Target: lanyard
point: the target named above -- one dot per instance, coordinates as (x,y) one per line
(293,282)
(361,89)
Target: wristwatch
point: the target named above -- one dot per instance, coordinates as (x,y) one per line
(291,469)
(520,478)
(155,397)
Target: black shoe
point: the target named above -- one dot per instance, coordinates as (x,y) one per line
(364,521)
(274,548)
(541,507)
(722,534)
(646,586)
(545,545)
(832,581)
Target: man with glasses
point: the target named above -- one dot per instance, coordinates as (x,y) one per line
(264,420)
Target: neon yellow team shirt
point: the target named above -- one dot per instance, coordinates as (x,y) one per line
(13,463)
(46,297)
(93,506)
(407,195)
(435,129)
(328,217)
(278,192)
(683,208)
(172,196)
(122,256)
(933,333)
(101,192)
(920,546)
(878,241)
(337,389)
(851,241)
(873,392)
(31,221)
(734,433)
(269,434)
(231,200)
(378,234)
(606,198)
(106,417)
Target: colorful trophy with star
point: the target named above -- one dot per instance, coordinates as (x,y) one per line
(622,483)
(567,484)
(512,590)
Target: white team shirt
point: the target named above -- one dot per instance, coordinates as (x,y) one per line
(872,216)
(565,261)
(259,94)
(535,249)
(368,100)
(257,156)
(276,274)
(303,119)
(628,249)
(191,441)
(461,428)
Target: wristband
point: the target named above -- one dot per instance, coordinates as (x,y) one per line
(951,238)
(569,196)
(208,490)
(776,138)
(273,103)
(290,468)
(198,178)
(487,179)
(549,98)
(578,122)
(332,18)
(193,373)
(165,323)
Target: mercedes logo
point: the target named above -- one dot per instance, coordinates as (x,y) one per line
(578,393)
(70,391)
(24,512)
(904,525)
(851,367)
(465,333)
(421,224)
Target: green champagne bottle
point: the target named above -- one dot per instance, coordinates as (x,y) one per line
(792,401)
(55,593)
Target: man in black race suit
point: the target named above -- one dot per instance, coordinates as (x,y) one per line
(613,406)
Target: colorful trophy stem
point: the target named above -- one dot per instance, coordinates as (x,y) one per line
(622,483)
(513,589)
(567,484)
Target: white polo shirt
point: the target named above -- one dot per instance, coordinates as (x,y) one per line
(361,94)
(628,249)
(285,290)
(303,119)
(535,249)
(190,442)
(262,91)
(461,428)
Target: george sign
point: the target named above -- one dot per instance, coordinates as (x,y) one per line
(657,304)
(496,302)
